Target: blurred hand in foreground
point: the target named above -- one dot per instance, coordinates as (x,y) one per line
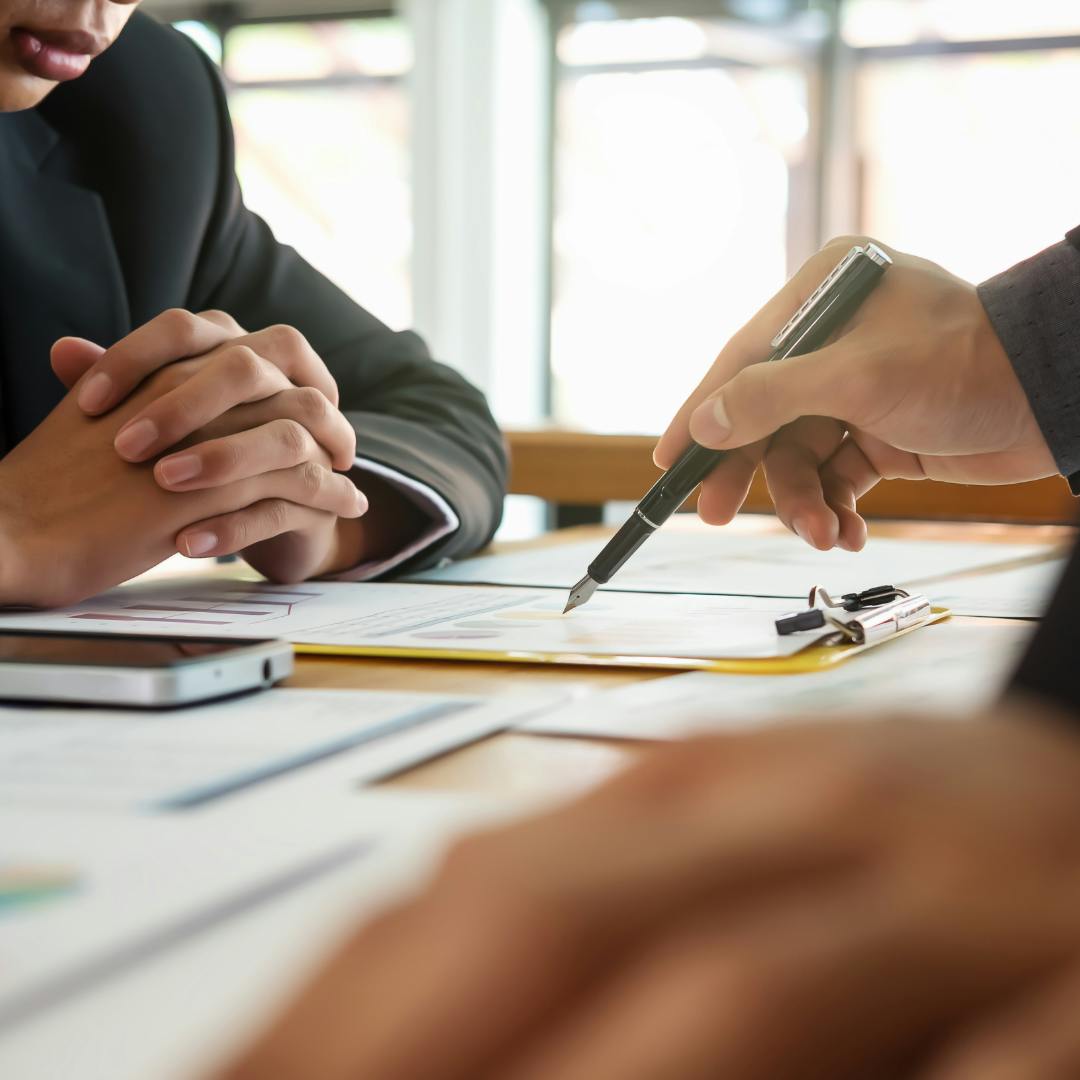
(840,901)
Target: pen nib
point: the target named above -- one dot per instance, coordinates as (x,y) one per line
(581,593)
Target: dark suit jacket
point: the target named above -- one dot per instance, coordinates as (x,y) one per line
(1048,669)
(1035,310)
(118,200)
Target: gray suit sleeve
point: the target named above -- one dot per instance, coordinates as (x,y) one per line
(1035,310)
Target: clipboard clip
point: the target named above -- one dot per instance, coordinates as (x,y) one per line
(869,617)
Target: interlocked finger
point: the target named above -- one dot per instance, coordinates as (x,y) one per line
(280,444)
(239,375)
(290,352)
(313,486)
(232,533)
(173,335)
(303,404)
(274,504)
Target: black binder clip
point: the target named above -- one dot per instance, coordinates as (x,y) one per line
(873,614)
(815,618)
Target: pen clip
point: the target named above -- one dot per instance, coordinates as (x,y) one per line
(870,251)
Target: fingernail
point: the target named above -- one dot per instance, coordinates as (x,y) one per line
(361,503)
(721,422)
(135,439)
(176,470)
(198,544)
(96,392)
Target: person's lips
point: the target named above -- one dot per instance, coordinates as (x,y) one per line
(55,55)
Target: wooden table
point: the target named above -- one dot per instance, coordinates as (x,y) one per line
(515,763)
(159,1017)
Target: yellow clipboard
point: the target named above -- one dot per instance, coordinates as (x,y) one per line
(815,657)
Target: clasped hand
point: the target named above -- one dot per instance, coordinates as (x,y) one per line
(251,434)
(847,900)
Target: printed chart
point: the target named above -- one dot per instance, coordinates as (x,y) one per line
(248,605)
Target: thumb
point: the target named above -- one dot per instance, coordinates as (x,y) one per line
(764,397)
(72,357)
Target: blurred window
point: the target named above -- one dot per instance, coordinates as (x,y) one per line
(683,194)
(993,79)
(322,126)
(689,153)
(868,23)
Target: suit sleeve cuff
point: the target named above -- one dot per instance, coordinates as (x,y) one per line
(442,519)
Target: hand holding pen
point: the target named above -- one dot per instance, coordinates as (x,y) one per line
(823,313)
(916,386)
(914,383)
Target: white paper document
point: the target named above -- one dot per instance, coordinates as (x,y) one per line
(944,669)
(91,904)
(112,891)
(120,761)
(730,563)
(1023,592)
(481,620)
(131,837)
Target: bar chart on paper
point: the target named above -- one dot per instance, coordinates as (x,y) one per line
(253,605)
(483,622)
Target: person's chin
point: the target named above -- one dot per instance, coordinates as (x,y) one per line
(19,90)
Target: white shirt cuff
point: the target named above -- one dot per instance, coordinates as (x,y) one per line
(440,513)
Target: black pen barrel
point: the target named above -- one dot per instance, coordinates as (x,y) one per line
(677,484)
(823,313)
(619,548)
(697,462)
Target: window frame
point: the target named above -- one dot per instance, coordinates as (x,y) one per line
(829,201)
(846,62)
(224,19)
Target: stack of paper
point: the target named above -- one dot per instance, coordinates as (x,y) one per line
(1008,580)
(124,761)
(128,838)
(437,620)
(948,669)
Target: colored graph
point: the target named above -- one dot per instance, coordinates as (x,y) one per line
(23,885)
(233,607)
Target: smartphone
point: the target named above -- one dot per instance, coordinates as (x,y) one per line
(121,669)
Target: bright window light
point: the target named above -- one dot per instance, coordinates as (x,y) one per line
(678,145)
(318,50)
(204,36)
(673,197)
(632,41)
(900,22)
(344,202)
(961,160)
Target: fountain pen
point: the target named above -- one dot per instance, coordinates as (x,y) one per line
(827,309)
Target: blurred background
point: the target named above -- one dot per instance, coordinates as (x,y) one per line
(577,203)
